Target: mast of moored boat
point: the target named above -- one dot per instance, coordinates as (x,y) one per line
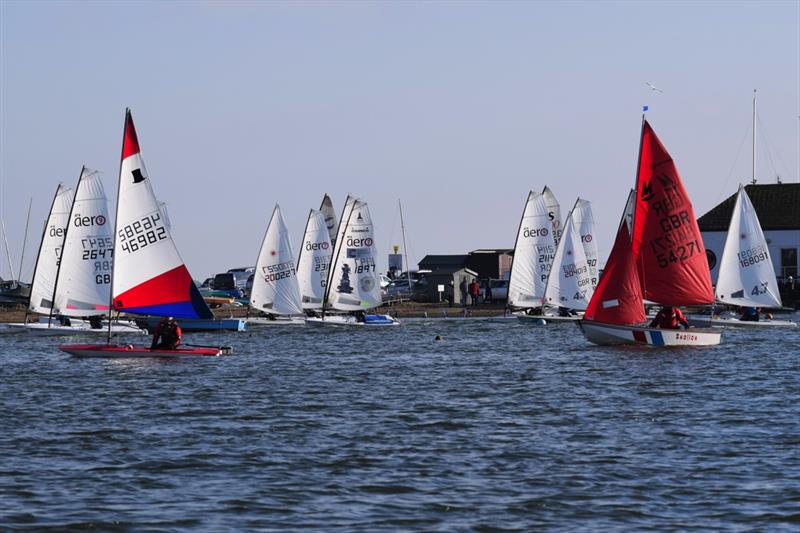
(405,248)
(754,137)
(25,238)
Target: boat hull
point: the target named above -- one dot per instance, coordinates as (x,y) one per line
(534,319)
(277,321)
(613,334)
(200,324)
(42,329)
(349,320)
(112,351)
(719,322)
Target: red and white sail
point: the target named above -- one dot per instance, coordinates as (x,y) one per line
(149,274)
(84,279)
(746,274)
(275,288)
(534,251)
(46,270)
(666,239)
(314,261)
(618,296)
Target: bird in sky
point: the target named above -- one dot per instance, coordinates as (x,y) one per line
(653,87)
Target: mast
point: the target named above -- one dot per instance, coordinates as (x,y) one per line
(25,237)
(116,213)
(8,251)
(405,249)
(63,243)
(754,137)
(636,188)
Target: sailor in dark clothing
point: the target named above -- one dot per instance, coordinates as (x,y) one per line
(169,333)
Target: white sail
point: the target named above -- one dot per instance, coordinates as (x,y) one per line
(329,214)
(534,251)
(84,278)
(354,283)
(275,289)
(313,262)
(584,221)
(44,275)
(569,284)
(553,212)
(149,274)
(746,274)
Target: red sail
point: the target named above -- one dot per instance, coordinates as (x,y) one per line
(618,296)
(666,239)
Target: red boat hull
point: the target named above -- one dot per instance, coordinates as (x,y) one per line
(131,351)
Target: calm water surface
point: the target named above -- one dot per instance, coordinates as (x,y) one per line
(499,426)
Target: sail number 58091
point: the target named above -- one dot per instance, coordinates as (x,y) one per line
(140,233)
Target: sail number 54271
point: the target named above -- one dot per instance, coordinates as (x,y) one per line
(140,233)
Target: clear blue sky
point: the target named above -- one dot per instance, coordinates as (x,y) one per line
(456,108)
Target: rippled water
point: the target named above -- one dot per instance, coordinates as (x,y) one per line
(499,425)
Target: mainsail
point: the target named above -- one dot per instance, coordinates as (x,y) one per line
(44,274)
(618,296)
(584,221)
(313,261)
(84,277)
(329,214)
(569,283)
(746,275)
(553,212)
(534,251)
(275,288)
(354,283)
(666,239)
(149,274)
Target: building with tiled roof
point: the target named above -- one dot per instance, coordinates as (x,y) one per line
(778,208)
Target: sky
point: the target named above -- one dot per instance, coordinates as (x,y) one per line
(456,109)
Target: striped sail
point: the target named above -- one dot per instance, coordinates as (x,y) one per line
(275,288)
(149,274)
(84,279)
(44,275)
(313,262)
(354,281)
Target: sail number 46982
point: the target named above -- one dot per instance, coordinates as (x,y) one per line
(140,233)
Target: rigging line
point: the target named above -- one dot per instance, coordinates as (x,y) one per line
(721,191)
(766,144)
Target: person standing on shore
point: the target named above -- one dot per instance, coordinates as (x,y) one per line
(462,287)
(475,291)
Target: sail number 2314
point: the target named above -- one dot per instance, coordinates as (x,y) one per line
(143,232)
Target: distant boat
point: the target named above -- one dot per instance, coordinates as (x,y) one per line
(149,276)
(353,284)
(275,291)
(746,274)
(661,258)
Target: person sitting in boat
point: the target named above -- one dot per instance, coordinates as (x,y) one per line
(167,335)
(95,322)
(564,311)
(669,317)
(361,316)
(750,314)
(64,320)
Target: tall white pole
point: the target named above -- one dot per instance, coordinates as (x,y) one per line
(405,249)
(754,136)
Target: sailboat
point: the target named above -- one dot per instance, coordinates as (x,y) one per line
(313,261)
(148,275)
(353,284)
(746,275)
(275,289)
(83,271)
(569,285)
(534,251)
(661,258)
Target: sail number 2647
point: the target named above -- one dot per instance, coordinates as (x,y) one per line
(140,233)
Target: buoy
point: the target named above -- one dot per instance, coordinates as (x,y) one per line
(541,322)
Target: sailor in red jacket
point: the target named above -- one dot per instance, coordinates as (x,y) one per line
(170,333)
(670,317)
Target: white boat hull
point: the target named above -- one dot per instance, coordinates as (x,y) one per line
(79,328)
(350,320)
(277,321)
(528,319)
(707,321)
(613,334)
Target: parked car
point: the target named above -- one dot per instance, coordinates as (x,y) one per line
(399,288)
(498,290)
(234,283)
